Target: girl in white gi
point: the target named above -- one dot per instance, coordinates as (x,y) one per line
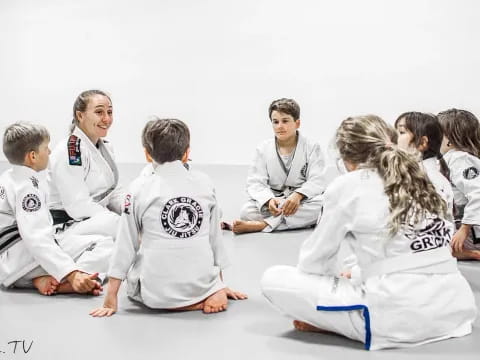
(285,181)
(389,213)
(178,262)
(421,135)
(30,255)
(461,151)
(84,191)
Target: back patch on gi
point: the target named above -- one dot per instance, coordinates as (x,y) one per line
(74,155)
(470,173)
(31,202)
(182,217)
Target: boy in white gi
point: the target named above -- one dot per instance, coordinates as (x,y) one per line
(285,181)
(30,252)
(406,289)
(169,232)
(461,151)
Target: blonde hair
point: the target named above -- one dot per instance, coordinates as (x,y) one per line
(365,141)
(22,137)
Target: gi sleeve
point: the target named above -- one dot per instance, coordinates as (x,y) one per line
(116,200)
(319,253)
(258,187)
(315,181)
(36,231)
(465,175)
(220,256)
(69,181)
(127,240)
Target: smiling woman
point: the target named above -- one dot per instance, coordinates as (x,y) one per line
(84,194)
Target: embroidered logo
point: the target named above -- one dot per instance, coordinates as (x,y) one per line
(127,203)
(31,202)
(470,173)
(74,155)
(182,217)
(303,171)
(34,181)
(3,193)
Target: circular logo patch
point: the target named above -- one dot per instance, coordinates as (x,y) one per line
(31,202)
(182,217)
(470,173)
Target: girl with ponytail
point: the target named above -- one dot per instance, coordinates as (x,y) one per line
(389,214)
(421,135)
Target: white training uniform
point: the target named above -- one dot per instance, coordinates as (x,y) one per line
(180,255)
(402,281)
(36,250)
(84,183)
(464,175)
(269,177)
(441,183)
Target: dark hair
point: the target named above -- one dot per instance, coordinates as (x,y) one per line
(287,106)
(81,103)
(423,124)
(462,129)
(21,138)
(166,140)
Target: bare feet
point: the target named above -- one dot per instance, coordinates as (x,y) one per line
(46,285)
(235,295)
(241,226)
(216,302)
(193,307)
(303,326)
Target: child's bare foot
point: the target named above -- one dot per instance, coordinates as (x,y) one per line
(46,285)
(67,288)
(193,307)
(241,226)
(303,326)
(216,302)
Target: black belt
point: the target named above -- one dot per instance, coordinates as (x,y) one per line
(59,216)
(9,236)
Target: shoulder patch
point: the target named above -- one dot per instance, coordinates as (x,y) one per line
(182,217)
(471,173)
(34,181)
(3,193)
(74,155)
(31,202)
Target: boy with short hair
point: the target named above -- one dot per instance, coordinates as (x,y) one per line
(178,263)
(285,181)
(30,255)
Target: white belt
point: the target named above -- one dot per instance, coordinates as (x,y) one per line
(437,261)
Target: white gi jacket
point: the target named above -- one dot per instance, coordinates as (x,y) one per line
(268,178)
(408,279)
(23,201)
(83,178)
(441,183)
(170,232)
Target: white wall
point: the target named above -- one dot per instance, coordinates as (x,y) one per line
(218,64)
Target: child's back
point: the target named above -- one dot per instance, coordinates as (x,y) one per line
(180,254)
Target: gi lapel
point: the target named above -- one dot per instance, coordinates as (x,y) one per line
(298,162)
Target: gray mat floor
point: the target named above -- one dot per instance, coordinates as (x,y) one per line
(60,327)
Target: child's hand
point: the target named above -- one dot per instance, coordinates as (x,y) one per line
(235,295)
(109,307)
(459,238)
(346,274)
(292,203)
(273,204)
